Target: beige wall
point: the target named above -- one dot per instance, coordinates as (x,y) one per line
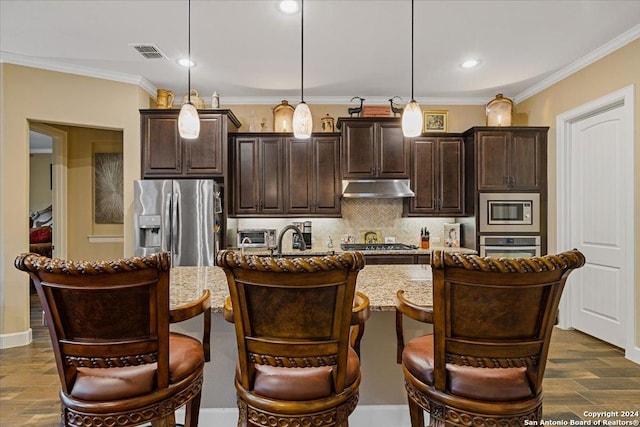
(39,181)
(613,72)
(30,94)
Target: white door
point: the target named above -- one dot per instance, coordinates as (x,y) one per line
(598,224)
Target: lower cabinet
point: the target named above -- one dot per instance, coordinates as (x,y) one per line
(377,259)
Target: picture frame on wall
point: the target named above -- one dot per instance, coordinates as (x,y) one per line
(436,121)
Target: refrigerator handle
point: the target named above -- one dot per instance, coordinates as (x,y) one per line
(166,224)
(175,217)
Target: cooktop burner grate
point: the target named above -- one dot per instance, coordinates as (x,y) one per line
(377,247)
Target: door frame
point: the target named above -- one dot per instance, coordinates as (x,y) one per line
(623,98)
(59,177)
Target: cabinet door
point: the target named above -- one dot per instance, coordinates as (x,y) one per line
(493,160)
(299,176)
(326,176)
(161,145)
(423,176)
(389,259)
(358,150)
(527,160)
(270,178)
(203,155)
(393,151)
(450,176)
(246,176)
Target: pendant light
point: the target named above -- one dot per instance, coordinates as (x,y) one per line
(188,120)
(302,120)
(412,115)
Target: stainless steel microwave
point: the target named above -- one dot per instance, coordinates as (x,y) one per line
(257,238)
(509,212)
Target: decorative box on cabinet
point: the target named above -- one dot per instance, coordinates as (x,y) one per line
(437,176)
(166,155)
(373,148)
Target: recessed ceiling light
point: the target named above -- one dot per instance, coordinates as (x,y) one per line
(470,63)
(289,6)
(186,63)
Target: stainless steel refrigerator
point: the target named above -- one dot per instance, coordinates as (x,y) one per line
(181,217)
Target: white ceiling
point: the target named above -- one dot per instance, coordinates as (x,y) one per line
(249,51)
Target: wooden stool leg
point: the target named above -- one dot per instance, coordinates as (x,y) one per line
(168,421)
(193,411)
(416,413)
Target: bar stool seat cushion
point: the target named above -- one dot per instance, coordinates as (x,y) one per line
(493,384)
(300,383)
(97,384)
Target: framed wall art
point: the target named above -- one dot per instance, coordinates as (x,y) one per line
(108,188)
(436,121)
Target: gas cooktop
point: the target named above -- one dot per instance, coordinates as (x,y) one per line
(377,247)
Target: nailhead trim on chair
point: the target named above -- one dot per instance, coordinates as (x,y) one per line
(484,362)
(111,362)
(343,261)
(569,259)
(293,362)
(33,263)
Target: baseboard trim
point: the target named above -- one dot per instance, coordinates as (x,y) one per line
(633,355)
(17,339)
(363,416)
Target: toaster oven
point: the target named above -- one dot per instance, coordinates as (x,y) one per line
(257,238)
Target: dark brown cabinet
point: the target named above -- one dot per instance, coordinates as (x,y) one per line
(373,148)
(257,175)
(166,155)
(437,176)
(312,176)
(510,159)
(391,259)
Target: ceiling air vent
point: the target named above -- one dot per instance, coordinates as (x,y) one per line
(149,50)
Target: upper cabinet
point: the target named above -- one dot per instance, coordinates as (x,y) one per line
(510,158)
(257,175)
(279,175)
(437,176)
(373,148)
(166,155)
(312,176)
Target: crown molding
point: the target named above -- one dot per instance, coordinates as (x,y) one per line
(27,61)
(593,56)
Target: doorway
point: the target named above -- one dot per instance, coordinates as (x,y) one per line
(595,173)
(58,180)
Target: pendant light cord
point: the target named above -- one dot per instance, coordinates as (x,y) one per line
(189,57)
(412,50)
(301,50)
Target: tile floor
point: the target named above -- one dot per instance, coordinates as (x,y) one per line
(583,374)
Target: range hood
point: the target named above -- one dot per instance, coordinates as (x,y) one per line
(377,188)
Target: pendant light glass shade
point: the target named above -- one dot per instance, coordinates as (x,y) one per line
(412,119)
(302,121)
(188,121)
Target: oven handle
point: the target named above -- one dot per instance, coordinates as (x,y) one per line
(484,248)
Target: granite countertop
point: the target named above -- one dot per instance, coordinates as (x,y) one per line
(379,282)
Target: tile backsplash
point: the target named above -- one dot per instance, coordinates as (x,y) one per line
(384,215)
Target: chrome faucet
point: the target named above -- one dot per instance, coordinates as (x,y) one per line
(303,245)
(245,240)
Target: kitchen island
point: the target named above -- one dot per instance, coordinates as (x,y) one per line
(382,379)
